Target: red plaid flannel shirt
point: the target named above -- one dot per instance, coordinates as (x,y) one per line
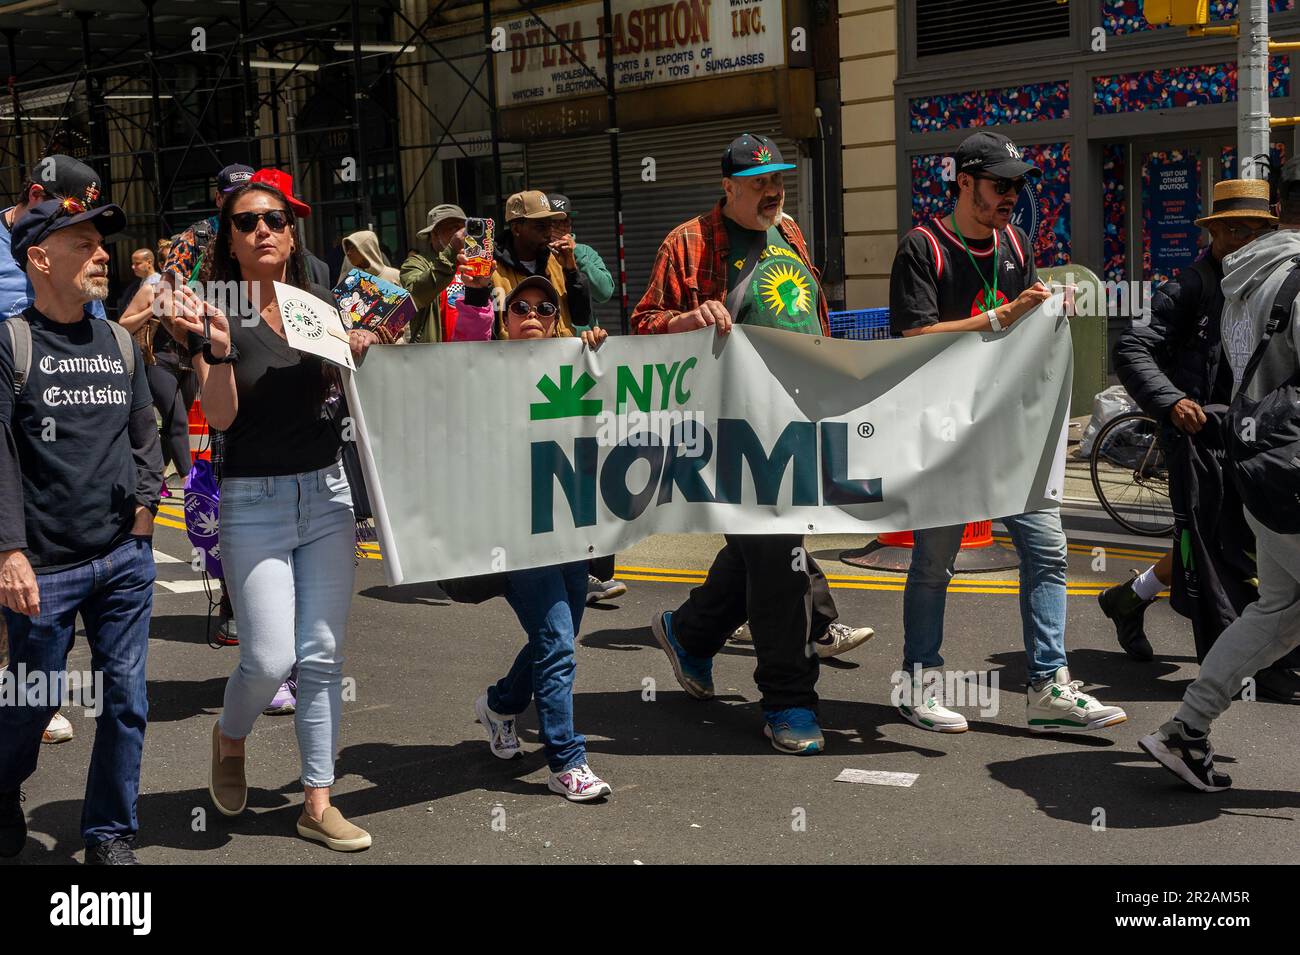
(691,268)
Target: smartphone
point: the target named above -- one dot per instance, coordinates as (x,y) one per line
(478,247)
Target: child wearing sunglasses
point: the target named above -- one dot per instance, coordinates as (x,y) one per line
(548,601)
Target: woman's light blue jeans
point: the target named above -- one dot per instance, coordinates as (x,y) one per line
(288,548)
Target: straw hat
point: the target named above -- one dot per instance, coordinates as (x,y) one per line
(1239,199)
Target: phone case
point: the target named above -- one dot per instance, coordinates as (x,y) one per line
(478,252)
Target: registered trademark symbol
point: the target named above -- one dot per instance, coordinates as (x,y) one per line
(866,430)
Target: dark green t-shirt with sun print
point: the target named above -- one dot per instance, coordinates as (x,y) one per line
(782,292)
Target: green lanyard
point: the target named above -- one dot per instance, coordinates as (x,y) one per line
(990,292)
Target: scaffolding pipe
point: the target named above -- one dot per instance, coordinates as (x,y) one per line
(363,185)
(12,35)
(495,123)
(611,107)
(155,117)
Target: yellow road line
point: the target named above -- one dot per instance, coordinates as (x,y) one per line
(166,523)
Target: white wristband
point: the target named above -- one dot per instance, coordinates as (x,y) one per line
(993,320)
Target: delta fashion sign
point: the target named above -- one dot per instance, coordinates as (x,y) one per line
(543,451)
(653,43)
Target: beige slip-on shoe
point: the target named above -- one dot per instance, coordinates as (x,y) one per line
(334,831)
(227,784)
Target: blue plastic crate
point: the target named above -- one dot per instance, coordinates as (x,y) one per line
(863,324)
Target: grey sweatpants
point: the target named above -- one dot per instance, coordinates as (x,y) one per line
(1266,631)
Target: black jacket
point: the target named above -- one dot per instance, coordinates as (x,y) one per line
(1214,547)
(1177,353)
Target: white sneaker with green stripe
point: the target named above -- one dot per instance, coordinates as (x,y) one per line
(922,707)
(1061,706)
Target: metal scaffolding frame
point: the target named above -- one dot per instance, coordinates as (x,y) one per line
(205,98)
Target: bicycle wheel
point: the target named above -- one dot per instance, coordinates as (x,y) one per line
(1130,473)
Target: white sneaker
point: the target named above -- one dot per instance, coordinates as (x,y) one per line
(841,638)
(579,784)
(58,731)
(1062,707)
(923,708)
(500,730)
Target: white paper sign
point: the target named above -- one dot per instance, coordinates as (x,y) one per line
(875,777)
(314,325)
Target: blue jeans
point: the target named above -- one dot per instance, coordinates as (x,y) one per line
(548,602)
(114,596)
(1040,541)
(288,547)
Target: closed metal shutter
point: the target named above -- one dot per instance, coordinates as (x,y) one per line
(688,177)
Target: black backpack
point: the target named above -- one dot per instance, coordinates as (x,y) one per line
(1266,468)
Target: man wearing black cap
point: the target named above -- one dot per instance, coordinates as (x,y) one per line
(745,261)
(54,177)
(975,273)
(73,396)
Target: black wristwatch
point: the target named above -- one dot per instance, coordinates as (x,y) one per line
(211,359)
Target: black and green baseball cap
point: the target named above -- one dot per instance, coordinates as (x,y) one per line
(750,155)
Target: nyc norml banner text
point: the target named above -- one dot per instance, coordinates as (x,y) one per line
(492,456)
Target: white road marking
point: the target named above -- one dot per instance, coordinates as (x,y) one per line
(188,586)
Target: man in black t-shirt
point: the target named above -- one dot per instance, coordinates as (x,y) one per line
(973,271)
(80,471)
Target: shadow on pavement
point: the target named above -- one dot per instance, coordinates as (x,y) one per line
(428,594)
(1108,675)
(180,628)
(171,701)
(1138,793)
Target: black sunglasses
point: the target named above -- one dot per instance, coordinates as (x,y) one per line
(544,309)
(1004,186)
(275,219)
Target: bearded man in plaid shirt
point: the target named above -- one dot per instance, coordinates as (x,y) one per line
(745,262)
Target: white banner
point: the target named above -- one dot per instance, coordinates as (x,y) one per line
(653,44)
(491,456)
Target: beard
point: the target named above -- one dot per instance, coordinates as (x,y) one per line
(986,213)
(771,219)
(94,286)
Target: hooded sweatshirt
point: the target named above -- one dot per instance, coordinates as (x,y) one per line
(1251,278)
(367,243)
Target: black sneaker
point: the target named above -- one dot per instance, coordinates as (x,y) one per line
(1126,610)
(13,824)
(1277,685)
(112,852)
(1187,756)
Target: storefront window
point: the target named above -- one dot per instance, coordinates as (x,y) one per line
(1180,86)
(1228,160)
(1125,16)
(1171,202)
(1114,211)
(1033,102)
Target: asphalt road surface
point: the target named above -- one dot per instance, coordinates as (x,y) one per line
(694,781)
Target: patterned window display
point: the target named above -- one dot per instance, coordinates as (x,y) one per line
(1114,209)
(994,107)
(1119,17)
(1179,86)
